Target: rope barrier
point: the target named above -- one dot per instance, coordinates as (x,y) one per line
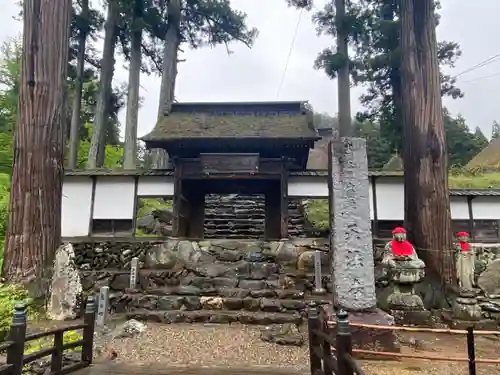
(332,323)
(423,357)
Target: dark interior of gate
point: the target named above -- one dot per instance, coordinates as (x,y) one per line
(231,165)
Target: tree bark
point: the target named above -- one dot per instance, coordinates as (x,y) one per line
(427,205)
(130,145)
(343,79)
(34,230)
(97,147)
(169,73)
(77,100)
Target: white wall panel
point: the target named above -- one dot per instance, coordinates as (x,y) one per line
(155,186)
(459,208)
(75,206)
(390,198)
(114,197)
(486,208)
(311,187)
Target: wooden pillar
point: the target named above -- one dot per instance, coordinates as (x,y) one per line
(273,211)
(196,198)
(471,216)
(284,201)
(176,202)
(375,207)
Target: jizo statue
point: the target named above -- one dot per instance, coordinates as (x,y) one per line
(465,261)
(400,246)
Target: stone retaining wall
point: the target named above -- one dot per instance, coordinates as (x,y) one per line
(236,280)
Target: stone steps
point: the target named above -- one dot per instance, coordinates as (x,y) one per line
(215,316)
(242,216)
(129,302)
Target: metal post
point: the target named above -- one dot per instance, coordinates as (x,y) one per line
(103,306)
(471,351)
(18,335)
(344,343)
(318,282)
(134,269)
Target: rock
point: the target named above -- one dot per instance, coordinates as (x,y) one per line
(285,334)
(163,256)
(489,280)
(147,222)
(66,286)
(170,302)
(163,214)
(130,328)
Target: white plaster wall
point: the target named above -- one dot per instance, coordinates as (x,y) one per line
(155,186)
(75,206)
(459,208)
(390,198)
(486,208)
(308,187)
(114,197)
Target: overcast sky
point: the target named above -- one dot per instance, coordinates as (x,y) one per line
(255,74)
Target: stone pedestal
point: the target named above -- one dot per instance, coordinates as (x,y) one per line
(405,305)
(466,306)
(352,245)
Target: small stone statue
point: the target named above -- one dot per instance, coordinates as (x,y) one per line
(399,248)
(404,269)
(465,261)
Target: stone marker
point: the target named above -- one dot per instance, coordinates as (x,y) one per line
(103,306)
(351,244)
(318,283)
(66,285)
(134,270)
(351,236)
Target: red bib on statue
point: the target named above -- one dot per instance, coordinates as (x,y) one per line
(401,249)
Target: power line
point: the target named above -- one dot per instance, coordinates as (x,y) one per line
(289,54)
(479,65)
(482,78)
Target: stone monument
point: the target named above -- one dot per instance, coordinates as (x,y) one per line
(351,242)
(404,269)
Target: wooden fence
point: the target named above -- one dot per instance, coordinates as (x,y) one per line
(334,354)
(16,343)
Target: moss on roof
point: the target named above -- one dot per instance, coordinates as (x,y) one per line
(489,157)
(395,163)
(200,125)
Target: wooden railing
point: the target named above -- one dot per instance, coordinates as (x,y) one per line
(334,355)
(15,346)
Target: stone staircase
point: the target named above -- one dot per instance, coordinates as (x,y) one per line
(252,302)
(217,281)
(243,216)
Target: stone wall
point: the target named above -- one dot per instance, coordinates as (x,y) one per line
(249,281)
(211,280)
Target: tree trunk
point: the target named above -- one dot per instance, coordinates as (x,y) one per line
(427,205)
(34,230)
(96,152)
(77,100)
(130,146)
(343,79)
(169,74)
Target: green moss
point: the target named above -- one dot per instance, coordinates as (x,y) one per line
(147,205)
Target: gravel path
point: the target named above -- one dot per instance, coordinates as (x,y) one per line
(240,346)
